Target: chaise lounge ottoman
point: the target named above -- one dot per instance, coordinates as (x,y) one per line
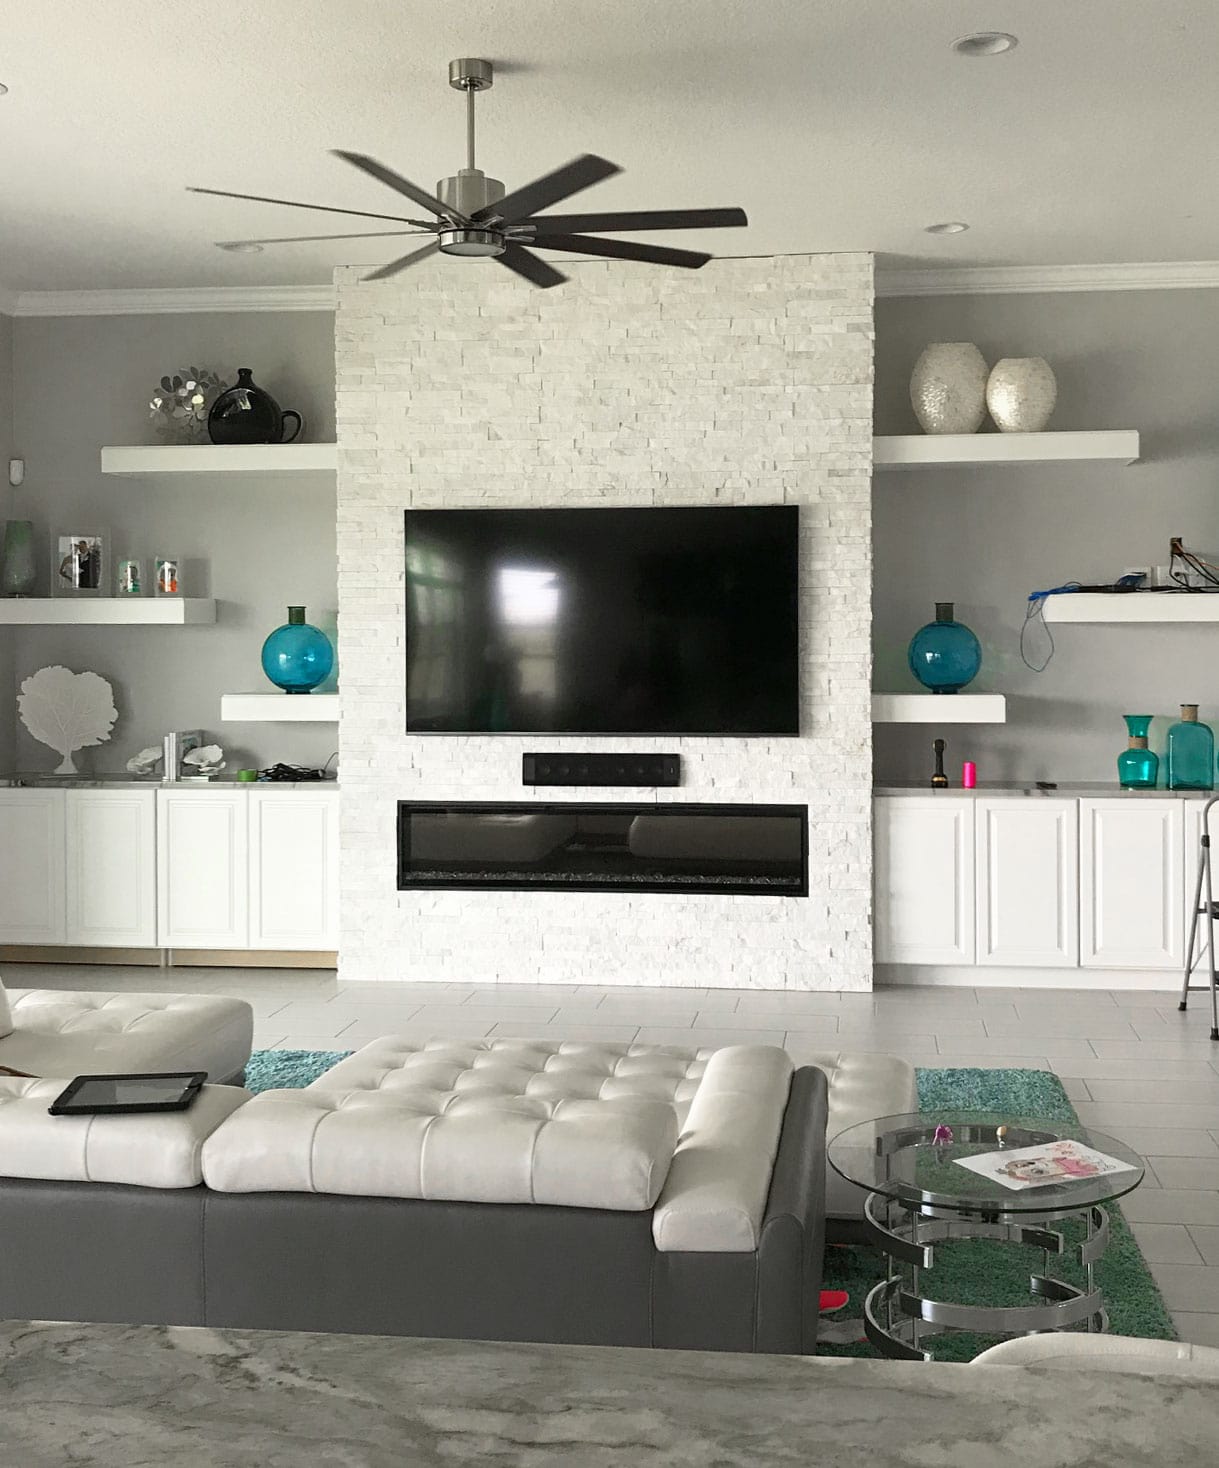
(67,1033)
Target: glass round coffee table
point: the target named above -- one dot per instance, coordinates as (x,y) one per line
(920,1195)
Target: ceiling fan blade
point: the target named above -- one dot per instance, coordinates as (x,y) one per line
(403,262)
(298,239)
(581,244)
(579,174)
(526,263)
(641,219)
(296,204)
(401,185)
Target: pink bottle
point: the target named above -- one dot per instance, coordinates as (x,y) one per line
(969,775)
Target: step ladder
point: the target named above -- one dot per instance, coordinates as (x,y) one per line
(1210,911)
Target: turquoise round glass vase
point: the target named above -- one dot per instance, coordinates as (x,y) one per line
(944,655)
(1191,753)
(297,657)
(1138,767)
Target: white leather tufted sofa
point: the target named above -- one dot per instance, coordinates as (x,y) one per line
(66,1033)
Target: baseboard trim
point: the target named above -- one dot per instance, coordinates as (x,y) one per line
(170,957)
(973,976)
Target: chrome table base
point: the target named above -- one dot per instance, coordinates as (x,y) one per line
(898,1315)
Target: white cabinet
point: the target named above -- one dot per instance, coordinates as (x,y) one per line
(32,866)
(1027,882)
(202,868)
(294,852)
(111,881)
(924,879)
(1132,890)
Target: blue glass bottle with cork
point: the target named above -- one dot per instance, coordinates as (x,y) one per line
(1191,752)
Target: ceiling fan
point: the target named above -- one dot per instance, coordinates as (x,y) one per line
(474,216)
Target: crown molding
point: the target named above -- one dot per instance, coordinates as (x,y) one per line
(1021,280)
(169,301)
(998,280)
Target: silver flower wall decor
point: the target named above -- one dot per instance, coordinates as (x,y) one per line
(948,388)
(180,404)
(67,710)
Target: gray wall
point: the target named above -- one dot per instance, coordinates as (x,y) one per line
(8,507)
(254,543)
(986,538)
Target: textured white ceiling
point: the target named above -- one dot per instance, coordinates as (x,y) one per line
(837,124)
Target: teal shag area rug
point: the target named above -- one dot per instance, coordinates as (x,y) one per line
(979,1271)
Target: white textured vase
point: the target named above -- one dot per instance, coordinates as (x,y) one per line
(1021,393)
(948,388)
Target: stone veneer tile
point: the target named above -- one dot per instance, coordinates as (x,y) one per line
(749,381)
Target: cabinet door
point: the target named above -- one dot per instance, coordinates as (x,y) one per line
(32,859)
(1028,882)
(111,868)
(924,879)
(1132,890)
(202,869)
(294,849)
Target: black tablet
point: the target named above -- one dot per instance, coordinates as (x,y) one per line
(119,1095)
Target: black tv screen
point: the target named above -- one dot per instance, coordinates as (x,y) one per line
(602,621)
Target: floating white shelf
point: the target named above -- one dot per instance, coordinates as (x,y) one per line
(942,450)
(214,458)
(1132,606)
(279,708)
(107,611)
(939,708)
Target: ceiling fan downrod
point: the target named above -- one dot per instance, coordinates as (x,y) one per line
(470,190)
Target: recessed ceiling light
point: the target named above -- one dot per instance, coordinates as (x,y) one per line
(239,247)
(985,43)
(951,226)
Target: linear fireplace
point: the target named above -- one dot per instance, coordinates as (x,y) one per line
(625,846)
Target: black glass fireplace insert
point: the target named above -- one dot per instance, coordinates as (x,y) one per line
(622,846)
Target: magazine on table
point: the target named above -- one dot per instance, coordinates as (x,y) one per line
(1046,1163)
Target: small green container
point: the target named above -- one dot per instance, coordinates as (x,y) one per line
(246,776)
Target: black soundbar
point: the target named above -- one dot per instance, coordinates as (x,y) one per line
(601,769)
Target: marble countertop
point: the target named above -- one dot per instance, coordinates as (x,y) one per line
(118,1396)
(1065,789)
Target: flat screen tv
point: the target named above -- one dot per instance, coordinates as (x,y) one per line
(602,621)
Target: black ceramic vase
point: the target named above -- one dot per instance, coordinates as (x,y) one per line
(248,414)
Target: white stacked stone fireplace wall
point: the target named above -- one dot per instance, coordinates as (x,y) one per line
(748,382)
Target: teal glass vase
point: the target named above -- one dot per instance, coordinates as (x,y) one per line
(1138,767)
(944,655)
(297,657)
(1191,752)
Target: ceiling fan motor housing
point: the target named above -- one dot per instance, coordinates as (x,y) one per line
(467,192)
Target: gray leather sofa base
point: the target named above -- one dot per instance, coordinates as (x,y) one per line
(289,1261)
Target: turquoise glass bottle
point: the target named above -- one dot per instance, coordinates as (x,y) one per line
(1191,753)
(1138,767)
(297,657)
(944,655)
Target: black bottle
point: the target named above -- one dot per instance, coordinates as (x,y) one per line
(939,780)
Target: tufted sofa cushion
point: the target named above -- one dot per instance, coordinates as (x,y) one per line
(158,1150)
(6,1014)
(511,1121)
(65,1033)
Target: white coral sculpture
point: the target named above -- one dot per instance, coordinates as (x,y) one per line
(146,761)
(209,760)
(68,711)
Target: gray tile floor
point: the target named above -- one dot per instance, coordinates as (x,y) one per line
(1131,1063)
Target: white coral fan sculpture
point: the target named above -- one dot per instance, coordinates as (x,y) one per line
(67,710)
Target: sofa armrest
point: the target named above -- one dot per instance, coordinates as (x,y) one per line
(793,1229)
